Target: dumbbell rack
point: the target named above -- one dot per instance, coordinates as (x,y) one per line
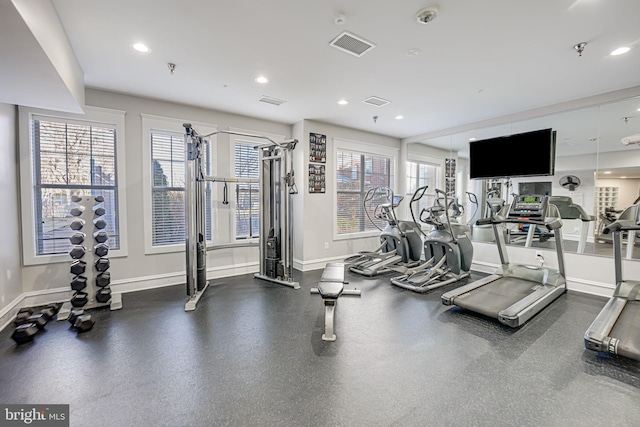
(89,246)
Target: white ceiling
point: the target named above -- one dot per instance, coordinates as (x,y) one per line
(479,59)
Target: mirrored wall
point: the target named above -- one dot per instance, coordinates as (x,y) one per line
(597,174)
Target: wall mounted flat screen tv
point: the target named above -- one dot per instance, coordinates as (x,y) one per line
(523,154)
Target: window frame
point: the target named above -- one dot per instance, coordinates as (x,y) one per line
(93,115)
(151,123)
(361,148)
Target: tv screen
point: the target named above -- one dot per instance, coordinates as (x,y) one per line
(523,154)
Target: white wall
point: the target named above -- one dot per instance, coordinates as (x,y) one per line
(314,213)
(137,269)
(10,252)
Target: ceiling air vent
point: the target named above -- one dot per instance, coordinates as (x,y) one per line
(352,44)
(376,102)
(270,100)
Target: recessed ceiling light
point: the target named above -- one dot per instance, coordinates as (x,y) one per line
(638,109)
(472,139)
(262,80)
(413,52)
(141,47)
(620,51)
(399,117)
(607,172)
(343,102)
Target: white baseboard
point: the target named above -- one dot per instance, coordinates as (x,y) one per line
(134,284)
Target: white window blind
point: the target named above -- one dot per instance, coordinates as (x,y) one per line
(357,173)
(70,158)
(168,186)
(247,165)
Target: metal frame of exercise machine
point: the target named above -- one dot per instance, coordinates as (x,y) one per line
(616,330)
(516,293)
(400,241)
(277,185)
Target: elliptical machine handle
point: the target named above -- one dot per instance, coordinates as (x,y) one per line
(446,213)
(417,195)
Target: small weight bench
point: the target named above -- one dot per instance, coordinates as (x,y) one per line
(330,288)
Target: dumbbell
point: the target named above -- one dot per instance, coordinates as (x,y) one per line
(103,295)
(99,199)
(74,314)
(100,223)
(78,283)
(77,252)
(77,238)
(76,198)
(77,224)
(40,320)
(100,236)
(49,312)
(23,316)
(99,211)
(83,323)
(101,249)
(103,279)
(78,267)
(24,333)
(77,210)
(102,264)
(80,299)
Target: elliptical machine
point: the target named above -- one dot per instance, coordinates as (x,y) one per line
(400,241)
(448,249)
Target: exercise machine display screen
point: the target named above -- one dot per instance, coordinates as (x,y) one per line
(528,206)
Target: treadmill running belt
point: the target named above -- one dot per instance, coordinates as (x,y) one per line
(495,296)
(626,331)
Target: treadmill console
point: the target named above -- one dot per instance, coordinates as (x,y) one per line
(528,206)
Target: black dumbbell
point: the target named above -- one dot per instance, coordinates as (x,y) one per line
(24,333)
(77,238)
(49,312)
(99,211)
(101,249)
(76,199)
(100,223)
(99,199)
(40,320)
(78,267)
(74,314)
(78,283)
(80,299)
(23,316)
(77,252)
(77,224)
(103,295)
(100,236)
(77,210)
(102,264)
(83,323)
(103,279)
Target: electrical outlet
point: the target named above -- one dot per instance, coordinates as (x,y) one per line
(326,245)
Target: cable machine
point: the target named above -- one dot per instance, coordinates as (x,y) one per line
(277,185)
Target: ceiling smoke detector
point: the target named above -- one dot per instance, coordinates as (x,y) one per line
(426,15)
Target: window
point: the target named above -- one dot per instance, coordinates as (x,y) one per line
(247,217)
(357,173)
(420,174)
(70,154)
(168,187)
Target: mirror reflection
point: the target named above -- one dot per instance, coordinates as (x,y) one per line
(596,179)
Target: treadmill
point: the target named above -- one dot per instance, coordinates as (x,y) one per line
(616,328)
(515,293)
